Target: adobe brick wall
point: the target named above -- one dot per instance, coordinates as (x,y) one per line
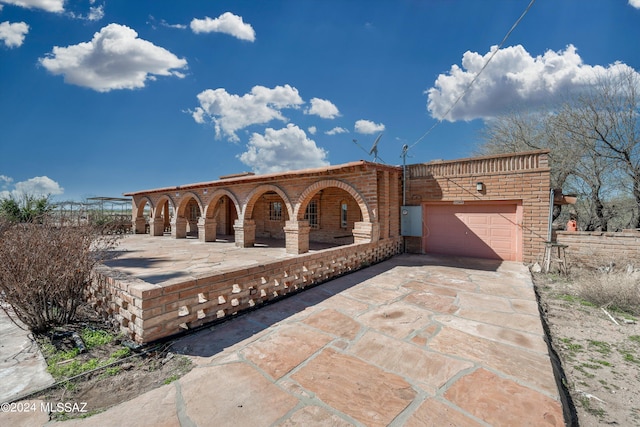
(595,249)
(521,177)
(147,312)
(361,176)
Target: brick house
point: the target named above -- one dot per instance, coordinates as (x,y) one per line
(488,207)
(358,213)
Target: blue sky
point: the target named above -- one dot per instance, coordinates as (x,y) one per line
(98,98)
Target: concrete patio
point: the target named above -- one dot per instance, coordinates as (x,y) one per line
(413,341)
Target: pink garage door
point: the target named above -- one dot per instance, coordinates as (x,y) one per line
(482,231)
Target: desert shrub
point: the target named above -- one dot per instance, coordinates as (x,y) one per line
(27,208)
(616,288)
(45,269)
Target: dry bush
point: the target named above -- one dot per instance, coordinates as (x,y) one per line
(45,269)
(617,288)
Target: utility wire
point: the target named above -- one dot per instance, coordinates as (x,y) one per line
(466,90)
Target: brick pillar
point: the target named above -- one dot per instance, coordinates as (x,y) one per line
(179,227)
(245,232)
(297,236)
(140,225)
(383,205)
(366,232)
(156,226)
(207,229)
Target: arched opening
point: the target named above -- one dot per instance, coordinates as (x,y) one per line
(162,214)
(332,213)
(270,214)
(142,214)
(188,213)
(263,220)
(219,218)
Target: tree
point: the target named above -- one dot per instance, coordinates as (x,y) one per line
(606,120)
(28,208)
(594,144)
(531,130)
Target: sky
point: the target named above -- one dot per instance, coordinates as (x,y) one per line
(104,97)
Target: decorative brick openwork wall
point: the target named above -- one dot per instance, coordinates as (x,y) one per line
(147,312)
(523,178)
(597,248)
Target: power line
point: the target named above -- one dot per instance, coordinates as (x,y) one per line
(464,92)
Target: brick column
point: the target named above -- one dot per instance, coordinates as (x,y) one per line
(156,226)
(179,227)
(366,232)
(245,232)
(207,229)
(297,237)
(140,225)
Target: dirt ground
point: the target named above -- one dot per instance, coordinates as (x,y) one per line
(600,358)
(139,371)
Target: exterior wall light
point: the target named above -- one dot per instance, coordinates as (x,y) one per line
(479,186)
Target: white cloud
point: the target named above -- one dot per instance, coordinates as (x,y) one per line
(177,26)
(163,23)
(312,130)
(368,127)
(13,34)
(96,13)
(513,79)
(323,108)
(48,5)
(227,23)
(336,130)
(635,3)
(282,150)
(230,112)
(5,181)
(114,59)
(38,186)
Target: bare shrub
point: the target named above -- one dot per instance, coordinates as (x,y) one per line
(617,288)
(45,269)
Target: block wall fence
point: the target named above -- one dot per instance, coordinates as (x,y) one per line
(148,312)
(594,249)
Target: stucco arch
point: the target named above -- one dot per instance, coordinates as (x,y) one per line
(260,190)
(311,190)
(210,208)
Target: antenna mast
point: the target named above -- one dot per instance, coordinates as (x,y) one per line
(405,148)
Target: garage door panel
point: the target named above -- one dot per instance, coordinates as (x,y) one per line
(500,233)
(484,231)
(477,220)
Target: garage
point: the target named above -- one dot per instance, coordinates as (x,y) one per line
(474,230)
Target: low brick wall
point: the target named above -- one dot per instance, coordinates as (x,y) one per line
(147,312)
(592,249)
